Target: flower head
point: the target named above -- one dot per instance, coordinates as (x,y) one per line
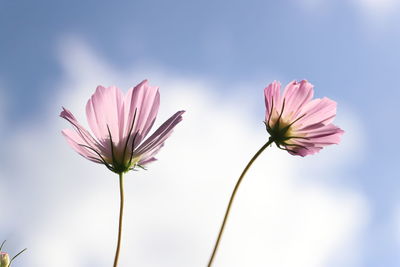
(4,259)
(297,123)
(120,124)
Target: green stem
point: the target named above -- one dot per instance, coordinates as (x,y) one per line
(233,197)
(121,213)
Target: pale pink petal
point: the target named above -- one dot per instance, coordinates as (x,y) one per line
(296,96)
(330,134)
(144,100)
(160,135)
(317,111)
(272,98)
(299,151)
(83,133)
(149,156)
(104,111)
(80,146)
(147,161)
(316,140)
(289,90)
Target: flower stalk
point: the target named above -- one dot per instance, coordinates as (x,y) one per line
(228,209)
(121,215)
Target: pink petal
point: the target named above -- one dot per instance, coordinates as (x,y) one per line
(145,101)
(80,146)
(330,134)
(316,140)
(296,95)
(149,156)
(105,109)
(160,135)
(83,133)
(317,111)
(289,90)
(147,161)
(272,98)
(304,151)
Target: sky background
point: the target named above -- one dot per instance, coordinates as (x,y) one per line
(340,207)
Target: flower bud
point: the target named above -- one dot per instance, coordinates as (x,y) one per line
(4,259)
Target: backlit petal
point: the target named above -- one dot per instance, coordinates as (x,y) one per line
(105,110)
(161,134)
(145,101)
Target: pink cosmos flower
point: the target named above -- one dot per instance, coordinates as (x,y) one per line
(297,123)
(120,124)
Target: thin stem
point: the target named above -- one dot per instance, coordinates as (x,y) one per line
(121,213)
(233,197)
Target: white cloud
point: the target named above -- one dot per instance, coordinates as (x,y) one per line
(377,16)
(378,8)
(173,210)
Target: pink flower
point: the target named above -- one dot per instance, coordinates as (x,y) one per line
(120,124)
(297,123)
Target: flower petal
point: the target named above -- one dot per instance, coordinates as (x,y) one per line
(80,146)
(272,98)
(104,111)
(317,111)
(316,140)
(144,100)
(301,151)
(160,135)
(296,95)
(149,155)
(330,134)
(83,133)
(147,161)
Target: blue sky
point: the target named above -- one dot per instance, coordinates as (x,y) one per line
(347,49)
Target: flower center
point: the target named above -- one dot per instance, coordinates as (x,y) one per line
(280,131)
